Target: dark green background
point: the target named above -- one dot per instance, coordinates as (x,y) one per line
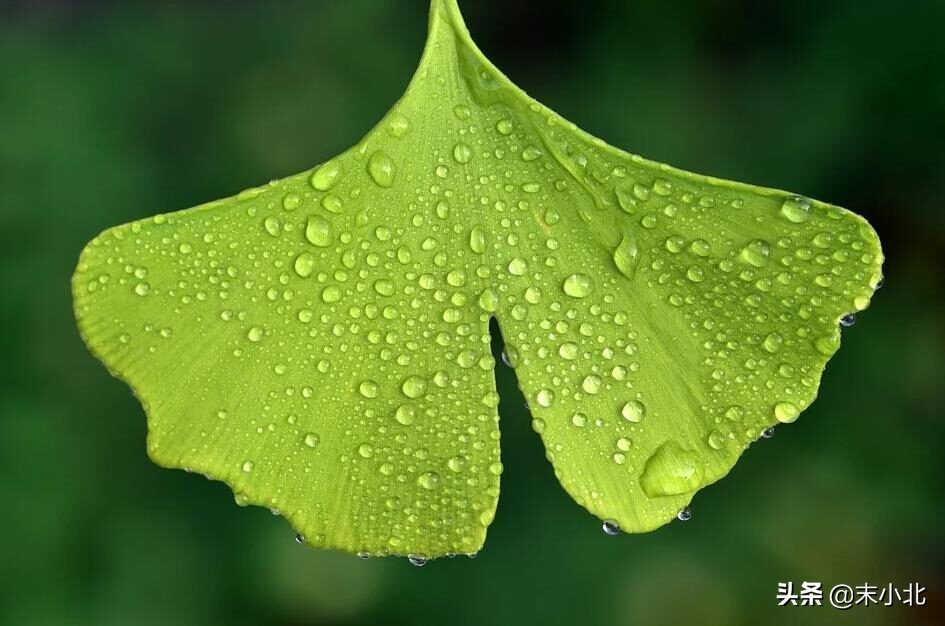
(111,112)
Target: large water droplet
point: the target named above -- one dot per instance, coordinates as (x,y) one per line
(382,169)
(578,285)
(477,240)
(327,176)
(414,387)
(462,153)
(518,266)
(429,480)
(796,209)
(756,253)
(786,412)
(304,265)
(633,411)
(318,231)
(369,389)
(627,256)
(671,471)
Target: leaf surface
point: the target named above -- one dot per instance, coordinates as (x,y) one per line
(321,343)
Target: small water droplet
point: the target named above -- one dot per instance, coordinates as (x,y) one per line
(611,527)
(848,320)
(417,560)
(685,514)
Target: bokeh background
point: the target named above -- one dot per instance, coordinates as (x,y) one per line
(113,111)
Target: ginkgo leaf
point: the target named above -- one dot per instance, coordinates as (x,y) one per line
(321,343)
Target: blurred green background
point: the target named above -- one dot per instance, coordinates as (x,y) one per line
(113,111)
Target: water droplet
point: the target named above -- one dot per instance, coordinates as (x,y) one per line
(414,387)
(633,411)
(848,320)
(579,420)
(716,440)
(735,413)
(627,256)
(272,226)
(671,471)
(531,153)
(369,389)
(611,527)
(312,440)
(695,274)
(756,253)
(406,414)
(291,201)
(255,334)
(248,466)
(518,266)
(331,294)
(768,433)
(304,264)
(384,287)
(591,384)
(417,561)
(398,126)
(429,480)
(382,169)
(545,398)
(504,127)
(327,176)
(569,351)
(796,209)
(366,450)
(773,342)
(488,301)
(786,412)
(477,240)
(318,231)
(578,285)
(299,539)
(462,153)
(142,289)
(685,514)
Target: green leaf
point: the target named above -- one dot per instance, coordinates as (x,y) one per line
(321,343)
